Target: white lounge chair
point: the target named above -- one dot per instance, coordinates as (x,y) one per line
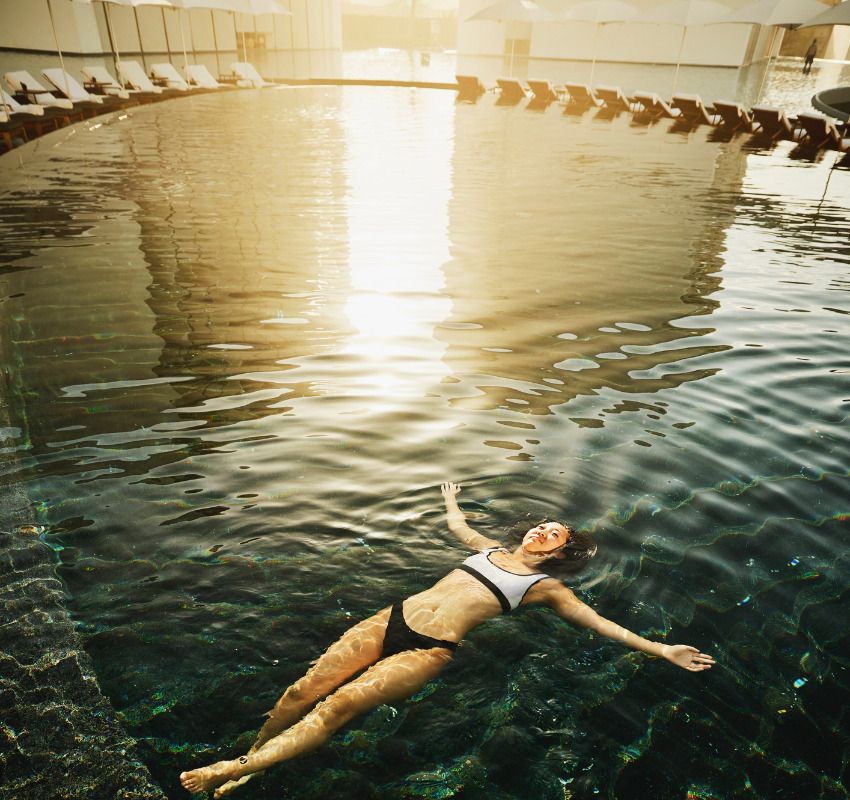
(653,107)
(12,106)
(35,119)
(168,73)
(199,75)
(247,74)
(21,82)
(69,86)
(131,73)
(98,79)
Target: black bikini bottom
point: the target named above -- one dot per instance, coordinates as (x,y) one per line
(399,637)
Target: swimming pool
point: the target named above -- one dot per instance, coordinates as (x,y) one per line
(254,332)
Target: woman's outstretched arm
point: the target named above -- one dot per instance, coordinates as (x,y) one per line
(568,606)
(456,521)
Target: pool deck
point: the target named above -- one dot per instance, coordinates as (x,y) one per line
(59,736)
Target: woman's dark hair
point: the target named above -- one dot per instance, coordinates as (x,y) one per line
(577,552)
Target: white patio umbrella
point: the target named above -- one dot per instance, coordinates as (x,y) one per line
(513,11)
(602,12)
(837,15)
(179,5)
(133,3)
(781,13)
(684,13)
(255,7)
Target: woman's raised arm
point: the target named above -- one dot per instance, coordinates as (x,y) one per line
(457,522)
(568,606)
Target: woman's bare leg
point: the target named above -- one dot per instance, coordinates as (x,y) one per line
(355,650)
(389,680)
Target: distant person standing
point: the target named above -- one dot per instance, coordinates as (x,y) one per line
(810,57)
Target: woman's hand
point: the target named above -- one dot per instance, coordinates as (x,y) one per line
(450,490)
(687,657)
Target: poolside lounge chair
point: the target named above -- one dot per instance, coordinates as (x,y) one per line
(733,116)
(167,75)
(247,75)
(24,85)
(542,90)
(613,99)
(97,80)
(820,132)
(69,86)
(12,132)
(469,87)
(35,119)
(199,75)
(653,107)
(580,96)
(693,112)
(772,123)
(131,74)
(511,91)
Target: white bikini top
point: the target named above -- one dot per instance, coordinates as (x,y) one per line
(509,587)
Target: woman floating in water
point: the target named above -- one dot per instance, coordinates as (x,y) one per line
(403,647)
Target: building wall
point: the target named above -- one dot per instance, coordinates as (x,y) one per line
(25,25)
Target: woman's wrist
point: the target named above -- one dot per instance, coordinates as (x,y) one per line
(665,648)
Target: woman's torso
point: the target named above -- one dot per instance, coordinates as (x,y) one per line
(458,602)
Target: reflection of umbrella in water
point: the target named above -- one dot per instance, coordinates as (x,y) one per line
(513,11)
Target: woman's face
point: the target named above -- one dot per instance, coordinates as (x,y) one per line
(548,537)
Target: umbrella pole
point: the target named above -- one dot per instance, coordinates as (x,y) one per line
(59,51)
(215,43)
(192,36)
(165,31)
(593,62)
(182,38)
(116,56)
(139,33)
(679,58)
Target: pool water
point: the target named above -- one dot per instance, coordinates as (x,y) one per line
(252,333)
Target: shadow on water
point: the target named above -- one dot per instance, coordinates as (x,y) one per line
(297,311)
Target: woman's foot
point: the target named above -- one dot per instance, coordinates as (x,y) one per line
(205,778)
(227,788)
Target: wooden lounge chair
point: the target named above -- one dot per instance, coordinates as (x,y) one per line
(542,91)
(733,116)
(820,132)
(89,104)
(166,75)
(12,132)
(693,112)
(580,96)
(469,87)
(132,75)
(772,124)
(613,99)
(70,87)
(31,91)
(653,107)
(96,80)
(510,91)
(247,75)
(198,75)
(36,119)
